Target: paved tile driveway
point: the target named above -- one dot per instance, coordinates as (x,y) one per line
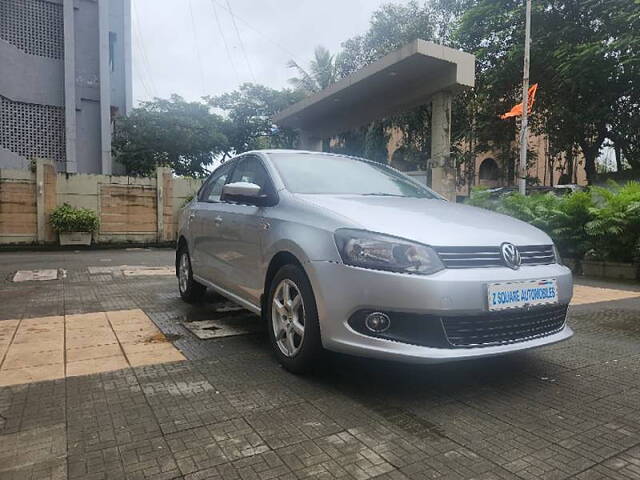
(230,412)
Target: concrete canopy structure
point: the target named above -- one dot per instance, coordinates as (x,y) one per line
(416,74)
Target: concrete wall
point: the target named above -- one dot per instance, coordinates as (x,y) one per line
(18,218)
(130,209)
(30,78)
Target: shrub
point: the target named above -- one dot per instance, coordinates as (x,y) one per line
(481,197)
(615,226)
(569,233)
(563,218)
(66,218)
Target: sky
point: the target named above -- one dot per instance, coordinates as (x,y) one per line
(197,47)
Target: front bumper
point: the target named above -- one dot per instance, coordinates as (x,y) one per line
(342,291)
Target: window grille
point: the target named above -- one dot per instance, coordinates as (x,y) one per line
(34,26)
(32,131)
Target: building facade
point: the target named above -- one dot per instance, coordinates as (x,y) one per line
(490,173)
(65,73)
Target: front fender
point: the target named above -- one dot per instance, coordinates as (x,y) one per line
(307,243)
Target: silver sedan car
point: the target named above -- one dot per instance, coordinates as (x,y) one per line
(345,254)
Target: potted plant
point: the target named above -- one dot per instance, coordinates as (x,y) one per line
(75,226)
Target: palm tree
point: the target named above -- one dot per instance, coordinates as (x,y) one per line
(321,73)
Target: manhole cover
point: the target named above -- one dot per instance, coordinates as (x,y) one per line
(223,327)
(35,275)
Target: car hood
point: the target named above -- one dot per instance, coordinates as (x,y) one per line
(429,221)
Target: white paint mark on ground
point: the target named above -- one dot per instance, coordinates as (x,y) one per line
(148,271)
(131,270)
(35,275)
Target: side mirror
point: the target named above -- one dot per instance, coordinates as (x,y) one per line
(242,192)
(242,189)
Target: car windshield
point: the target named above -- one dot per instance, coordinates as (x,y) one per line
(337,174)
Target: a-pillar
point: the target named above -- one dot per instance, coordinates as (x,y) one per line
(309,141)
(443,172)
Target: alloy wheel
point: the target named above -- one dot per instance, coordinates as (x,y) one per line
(183,272)
(288,317)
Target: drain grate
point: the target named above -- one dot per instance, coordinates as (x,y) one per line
(224,327)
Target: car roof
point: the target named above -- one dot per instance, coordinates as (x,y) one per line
(302,152)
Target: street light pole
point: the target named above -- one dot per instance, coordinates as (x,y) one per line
(522,166)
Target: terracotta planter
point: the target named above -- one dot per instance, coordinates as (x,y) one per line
(617,270)
(75,238)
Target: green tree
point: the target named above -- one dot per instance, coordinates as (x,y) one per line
(391,26)
(185,136)
(249,111)
(320,74)
(582,53)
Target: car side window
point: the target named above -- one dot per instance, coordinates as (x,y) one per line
(213,188)
(251,170)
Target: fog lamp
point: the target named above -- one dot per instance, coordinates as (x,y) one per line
(377,322)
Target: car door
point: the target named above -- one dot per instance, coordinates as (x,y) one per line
(242,231)
(205,219)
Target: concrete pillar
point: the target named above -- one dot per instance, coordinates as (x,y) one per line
(128,82)
(443,172)
(46,198)
(40,217)
(71,165)
(160,201)
(310,142)
(105,86)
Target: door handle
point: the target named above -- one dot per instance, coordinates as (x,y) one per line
(217,220)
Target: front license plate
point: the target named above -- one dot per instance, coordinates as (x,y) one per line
(521,294)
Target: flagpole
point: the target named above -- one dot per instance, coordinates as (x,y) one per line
(522,167)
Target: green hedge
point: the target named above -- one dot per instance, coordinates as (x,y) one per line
(600,223)
(66,218)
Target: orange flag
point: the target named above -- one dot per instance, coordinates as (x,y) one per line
(517,110)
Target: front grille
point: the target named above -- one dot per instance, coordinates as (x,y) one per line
(498,328)
(484,257)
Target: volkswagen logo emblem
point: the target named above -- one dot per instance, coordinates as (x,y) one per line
(510,255)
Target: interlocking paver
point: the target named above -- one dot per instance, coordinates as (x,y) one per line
(34,453)
(205,447)
(291,424)
(184,399)
(265,466)
(334,456)
(231,412)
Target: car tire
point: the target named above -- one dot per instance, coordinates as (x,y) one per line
(303,353)
(190,290)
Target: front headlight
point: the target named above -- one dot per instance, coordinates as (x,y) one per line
(382,252)
(556,254)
